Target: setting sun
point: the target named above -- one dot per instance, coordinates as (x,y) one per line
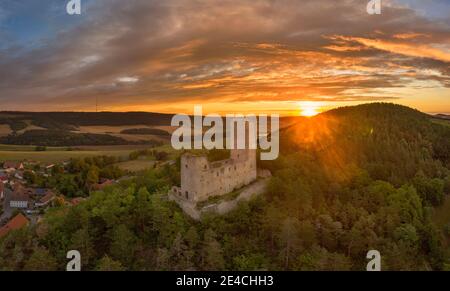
(309,109)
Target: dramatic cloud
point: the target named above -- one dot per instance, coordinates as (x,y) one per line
(160,55)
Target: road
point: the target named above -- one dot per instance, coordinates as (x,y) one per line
(7,210)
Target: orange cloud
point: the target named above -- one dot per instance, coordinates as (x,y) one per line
(408,49)
(410,35)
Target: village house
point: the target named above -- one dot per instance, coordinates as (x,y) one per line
(3,176)
(12,166)
(46,199)
(20,198)
(40,191)
(75,201)
(49,167)
(17,222)
(2,191)
(18,175)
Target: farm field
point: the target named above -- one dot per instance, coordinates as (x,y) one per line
(136,165)
(56,156)
(59,154)
(53,155)
(441,121)
(117,131)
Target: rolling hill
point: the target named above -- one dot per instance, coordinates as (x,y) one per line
(370,177)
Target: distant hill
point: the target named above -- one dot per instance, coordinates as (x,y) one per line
(347,181)
(68,120)
(442,116)
(332,127)
(62,128)
(389,140)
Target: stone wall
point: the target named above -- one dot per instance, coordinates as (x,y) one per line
(222,207)
(201,179)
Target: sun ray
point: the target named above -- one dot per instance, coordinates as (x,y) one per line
(309,109)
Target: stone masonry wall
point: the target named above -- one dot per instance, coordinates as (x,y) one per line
(201,179)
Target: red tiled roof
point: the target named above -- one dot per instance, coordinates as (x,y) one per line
(17,222)
(9,164)
(49,196)
(20,195)
(77,200)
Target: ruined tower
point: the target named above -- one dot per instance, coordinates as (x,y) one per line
(201,179)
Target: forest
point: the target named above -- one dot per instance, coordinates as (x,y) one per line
(347,181)
(67,120)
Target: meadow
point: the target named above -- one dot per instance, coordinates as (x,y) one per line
(59,154)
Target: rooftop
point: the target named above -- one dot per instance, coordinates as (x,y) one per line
(17,222)
(20,194)
(49,196)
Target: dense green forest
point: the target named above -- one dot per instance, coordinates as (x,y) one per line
(69,120)
(347,181)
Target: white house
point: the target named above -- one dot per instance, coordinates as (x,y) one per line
(44,201)
(12,166)
(19,199)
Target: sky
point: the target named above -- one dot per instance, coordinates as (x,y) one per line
(231,56)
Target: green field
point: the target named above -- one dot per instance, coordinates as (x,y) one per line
(56,156)
(59,154)
(144,163)
(136,165)
(26,148)
(441,121)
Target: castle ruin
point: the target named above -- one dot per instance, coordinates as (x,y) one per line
(201,179)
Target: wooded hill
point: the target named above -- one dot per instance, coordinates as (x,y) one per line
(55,120)
(347,181)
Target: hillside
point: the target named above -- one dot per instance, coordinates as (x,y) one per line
(83,128)
(347,181)
(89,128)
(55,120)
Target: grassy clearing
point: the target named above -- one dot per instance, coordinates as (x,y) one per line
(117,131)
(136,165)
(56,156)
(441,121)
(59,154)
(147,162)
(27,148)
